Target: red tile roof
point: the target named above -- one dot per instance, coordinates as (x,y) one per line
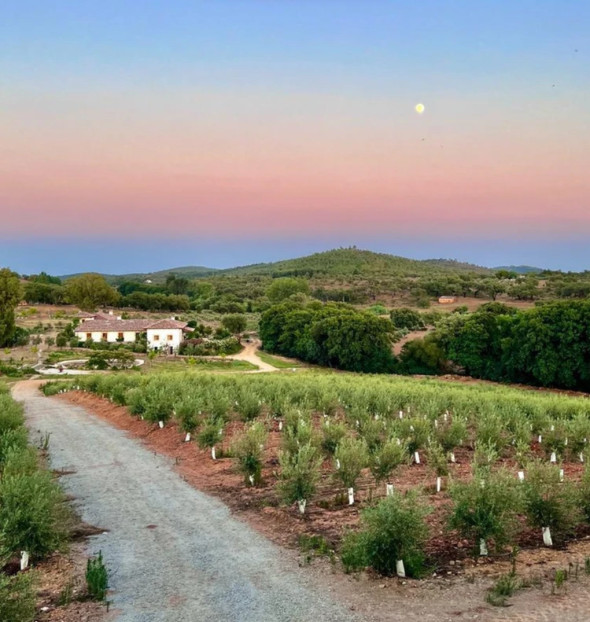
(121,326)
(164,324)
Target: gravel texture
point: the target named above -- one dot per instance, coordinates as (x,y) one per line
(174,554)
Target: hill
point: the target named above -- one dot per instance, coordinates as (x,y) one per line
(354,262)
(521,269)
(341,262)
(189,272)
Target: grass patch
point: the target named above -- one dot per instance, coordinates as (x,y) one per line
(269,359)
(63,355)
(196,364)
(505,587)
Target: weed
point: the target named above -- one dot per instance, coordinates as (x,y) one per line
(504,587)
(97,581)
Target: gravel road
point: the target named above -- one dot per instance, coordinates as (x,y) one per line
(175,554)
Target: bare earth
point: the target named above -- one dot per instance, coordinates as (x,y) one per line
(177,554)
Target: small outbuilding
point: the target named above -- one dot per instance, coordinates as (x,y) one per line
(446,300)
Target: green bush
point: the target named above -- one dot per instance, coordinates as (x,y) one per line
(299,474)
(248,452)
(487,511)
(550,502)
(353,456)
(17,597)
(31,513)
(387,458)
(394,529)
(332,434)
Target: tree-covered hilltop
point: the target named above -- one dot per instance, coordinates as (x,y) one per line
(356,263)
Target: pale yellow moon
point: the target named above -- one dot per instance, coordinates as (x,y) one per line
(419,108)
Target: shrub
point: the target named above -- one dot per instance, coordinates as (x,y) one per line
(209,435)
(385,460)
(248,451)
(97,580)
(332,434)
(17,597)
(353,456)
(486,512)
(550,502)
(299,474)
(11,414)
(10,440)
(392,530)
(31,513)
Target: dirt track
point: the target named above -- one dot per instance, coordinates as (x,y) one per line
(175,554)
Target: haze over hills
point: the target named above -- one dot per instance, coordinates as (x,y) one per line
(521,269)
(337,262)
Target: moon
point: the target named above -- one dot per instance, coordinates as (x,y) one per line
(419,108)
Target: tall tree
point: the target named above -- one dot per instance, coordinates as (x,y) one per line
(10,296)
(89,291)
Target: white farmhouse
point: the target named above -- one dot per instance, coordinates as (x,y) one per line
(166,335)
(162,335)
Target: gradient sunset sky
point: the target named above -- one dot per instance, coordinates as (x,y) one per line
(140,135)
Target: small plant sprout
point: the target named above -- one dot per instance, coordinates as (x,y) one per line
(97,581)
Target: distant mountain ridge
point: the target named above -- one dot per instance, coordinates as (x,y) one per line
(521,269)
(337,262)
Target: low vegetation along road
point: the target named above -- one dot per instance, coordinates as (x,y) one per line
(175,554)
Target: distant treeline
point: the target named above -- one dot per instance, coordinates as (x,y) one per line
(547,346)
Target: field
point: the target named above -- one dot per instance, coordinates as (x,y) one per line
(366,432)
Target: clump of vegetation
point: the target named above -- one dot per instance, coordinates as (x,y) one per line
(504,587)
(550,504)
(18,597)
(394,530)
(299,474)
(485,510)
(97,579)
(248,453)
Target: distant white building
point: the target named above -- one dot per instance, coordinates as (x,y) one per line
(162,335)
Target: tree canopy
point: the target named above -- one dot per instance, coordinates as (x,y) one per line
(90,291)
(10,296)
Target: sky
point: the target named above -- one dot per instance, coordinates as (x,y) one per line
(140,136)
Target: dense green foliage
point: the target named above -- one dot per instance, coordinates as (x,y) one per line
(90,291)
(392,530)
(333,335)
(548,345)
(32,511)
(10,295)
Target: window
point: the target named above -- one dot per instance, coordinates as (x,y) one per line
(104,336)
(170,337)
(89,336)
(156,337)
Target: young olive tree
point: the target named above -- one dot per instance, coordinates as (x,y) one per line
(391,538)
(299,475)
(248,453)
(550,504)
(486,509)
(386,459)
(352,456)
